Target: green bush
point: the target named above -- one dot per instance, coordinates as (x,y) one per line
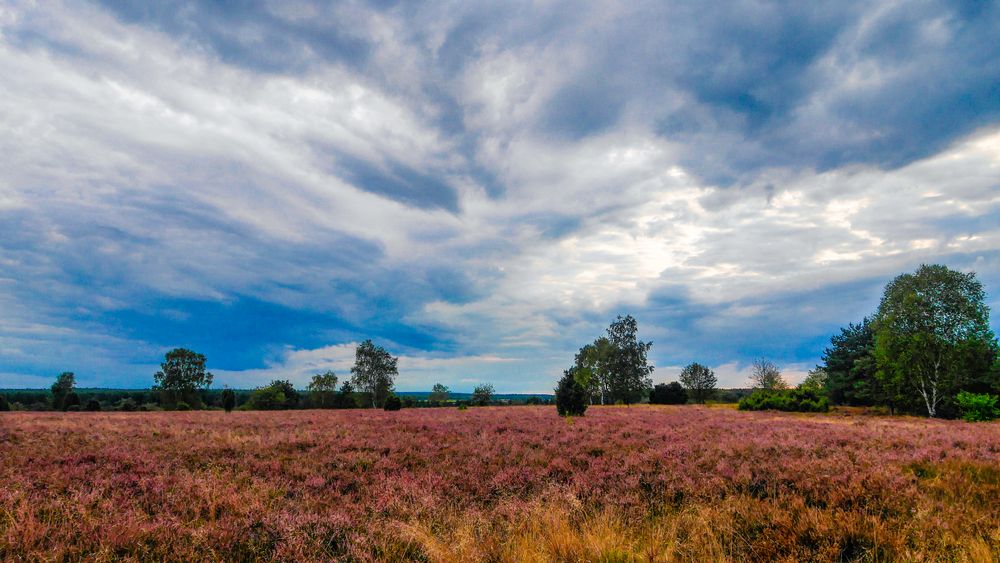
(4,405)
(789,400)
(393,403)
(571,397)
(182,406)
(977,407)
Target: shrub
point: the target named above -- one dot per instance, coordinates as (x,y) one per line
(393,403)
(182,406)
(228,399)
(790,400)
(127,405)
(93,405)
(668,394)
(73,408)
(463,407)
(4,405)
(71,400)
(977,407)
(571,397)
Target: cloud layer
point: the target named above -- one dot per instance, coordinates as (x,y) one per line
(481,188)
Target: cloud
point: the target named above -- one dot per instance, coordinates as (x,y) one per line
(480,181)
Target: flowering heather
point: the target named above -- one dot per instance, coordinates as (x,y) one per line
(515,483)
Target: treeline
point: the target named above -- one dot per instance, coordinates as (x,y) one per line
(928,349)
(183,382)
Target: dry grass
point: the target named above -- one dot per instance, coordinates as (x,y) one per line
(498,484)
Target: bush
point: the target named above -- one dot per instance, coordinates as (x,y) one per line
(4,405)
(228,399)
(393,403)
(182,406)
(668,394)
(977,407)
(73,408)
(571,397)
(463,407)
(127,405)
(93,405)
(789,400)
(71,400)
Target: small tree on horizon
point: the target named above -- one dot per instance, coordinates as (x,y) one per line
(765,375)
(64,385)
(323,389)
(374,372)
(700,382)
(182,374)
(439,393)
(482,395)
(228,399)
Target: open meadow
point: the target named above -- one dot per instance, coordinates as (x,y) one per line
(499,484)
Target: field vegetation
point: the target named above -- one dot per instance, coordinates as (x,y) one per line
(656,483)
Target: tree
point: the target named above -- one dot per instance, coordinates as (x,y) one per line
(933,338)
(439,393)
(699,380)
(850,366)
(345,397)
(815,379)
(482,395)
(628,370)
(765,375)
(374,372)
(592,371)
(571,396)
(180,377)
(672,393)
(4,405)
(267,398)
(228,399)
(93,405)
(64,385)
(323,389)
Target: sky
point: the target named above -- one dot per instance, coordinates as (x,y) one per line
(480,187)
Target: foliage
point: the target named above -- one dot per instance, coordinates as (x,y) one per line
(181,375)
(439,393)
(345,397)
(374,372)
(700,382)
(672,393)
(277,395)
(182,406)
(482,395)
(64,385)
(628,370)
(815,379)
(127,405)
(4,405)
(932,337)
(850,366)
(322,390)
(792,400)
(764,374)
(571,396)
(93,405)
(977,407)
(393,403)
(592,369)
(71,400)
(228,399)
